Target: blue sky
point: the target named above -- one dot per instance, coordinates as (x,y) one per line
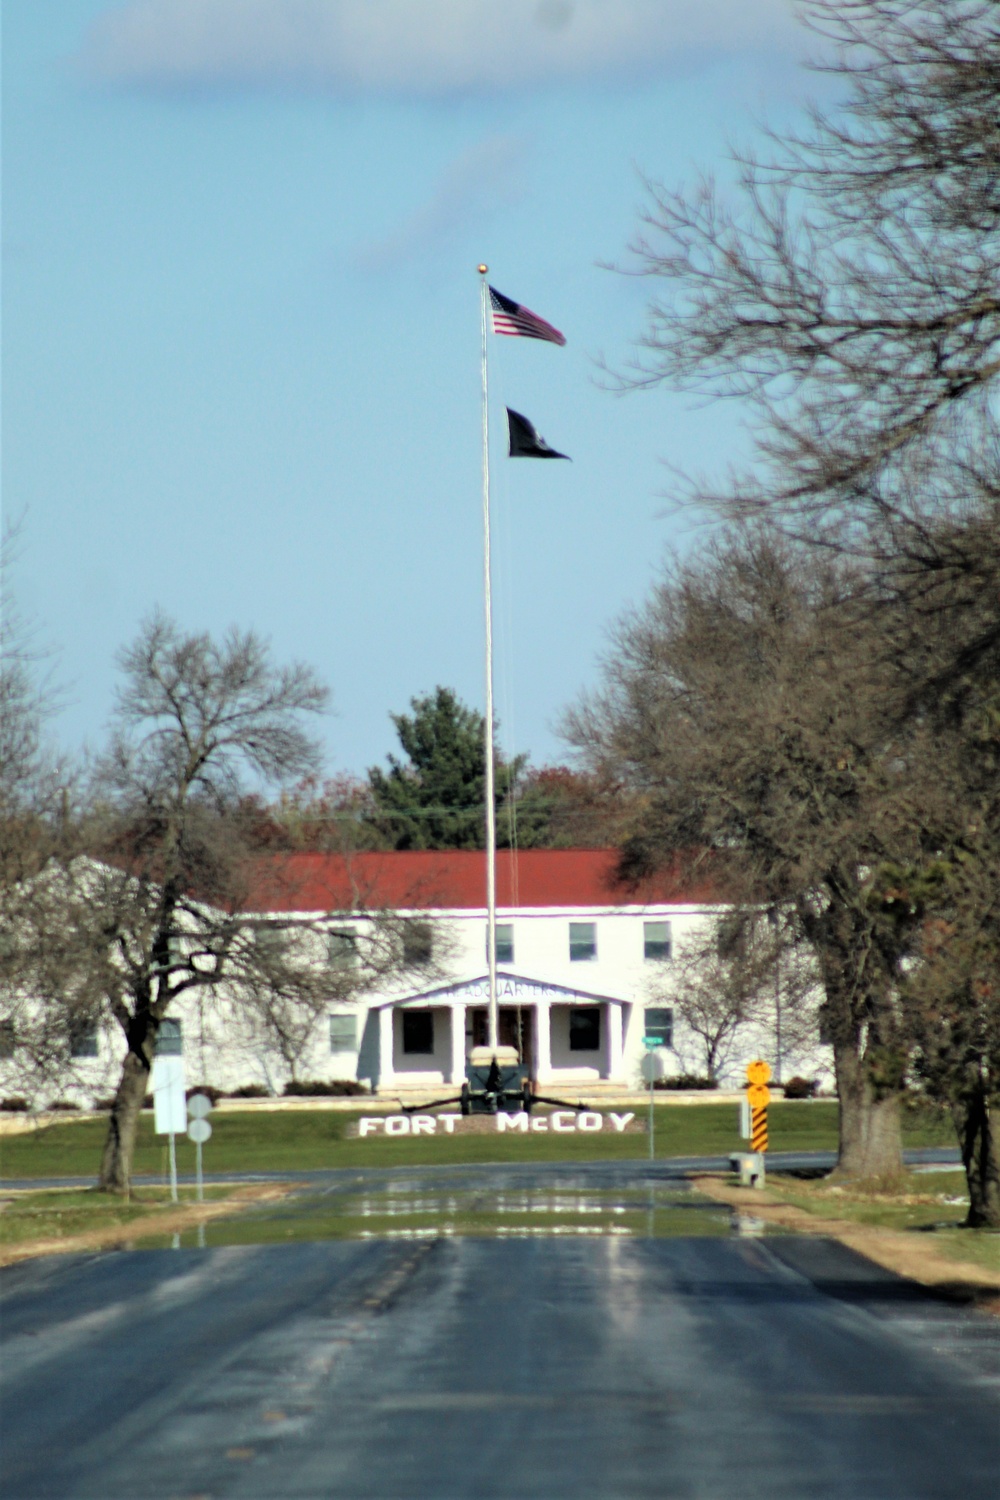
(241,328)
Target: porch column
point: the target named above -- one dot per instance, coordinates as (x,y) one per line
(614,1048)
(543,1041)
(457,1014)
(386,1072)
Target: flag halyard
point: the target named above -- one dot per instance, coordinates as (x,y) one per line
(517,321)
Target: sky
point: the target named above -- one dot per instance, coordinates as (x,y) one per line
(241,330)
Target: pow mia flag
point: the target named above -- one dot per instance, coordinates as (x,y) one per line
(525,441)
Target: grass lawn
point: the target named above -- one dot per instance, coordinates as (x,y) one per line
(61,1214)
(931,1206)
(302,1141)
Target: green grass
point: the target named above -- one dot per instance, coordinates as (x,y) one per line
(917,1203)
(303,1140)
(60,1214)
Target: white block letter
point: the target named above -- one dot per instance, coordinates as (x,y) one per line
(423,1125)
(368,1126)
(589,1119)
(397,1125)
(448,1121)
(558,1116)
(539,1122)
(620,1121)
(512,1122)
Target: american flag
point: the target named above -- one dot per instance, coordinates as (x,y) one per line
(520,322)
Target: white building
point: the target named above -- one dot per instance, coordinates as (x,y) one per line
(581,964)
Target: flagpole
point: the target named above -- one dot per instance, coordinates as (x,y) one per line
(491,829)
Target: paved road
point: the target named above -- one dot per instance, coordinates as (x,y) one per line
(457,1368)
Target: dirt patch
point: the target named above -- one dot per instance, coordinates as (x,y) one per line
(173,1220)
(907,1254)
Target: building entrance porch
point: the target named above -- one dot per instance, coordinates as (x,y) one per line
(562,1036)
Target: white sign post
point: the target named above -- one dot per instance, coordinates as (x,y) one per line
(169,1109)
(653,1068)
(199,1107)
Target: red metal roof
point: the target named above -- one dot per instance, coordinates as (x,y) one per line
(456,878)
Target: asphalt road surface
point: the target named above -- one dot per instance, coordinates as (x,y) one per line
(591,1366)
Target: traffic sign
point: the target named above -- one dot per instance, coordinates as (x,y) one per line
(653,1067)
(759,1095)
(652,1041)
(199,1106)
(758,1071)
(199,1130)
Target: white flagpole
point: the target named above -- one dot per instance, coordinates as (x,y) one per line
(491,829)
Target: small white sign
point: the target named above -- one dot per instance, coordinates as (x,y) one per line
(199,1107)
(169,1107)
(199,1131)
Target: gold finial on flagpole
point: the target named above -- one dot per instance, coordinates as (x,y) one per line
(483,269)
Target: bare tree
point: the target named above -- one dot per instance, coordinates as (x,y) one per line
(722,985)
(748,710)
(849,291)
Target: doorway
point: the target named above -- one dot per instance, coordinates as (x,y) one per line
(514,1027)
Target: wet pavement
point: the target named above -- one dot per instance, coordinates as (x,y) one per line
(447,1333)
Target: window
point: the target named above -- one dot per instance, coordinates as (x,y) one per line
(584,1029)
(418,1031)
(271,941)
(656,940)
(418,943)
(82,1037)
(582,941)
(658,1022)
(343,1034)
(170,1042)
(341,948)
(8,1039)
(504,944)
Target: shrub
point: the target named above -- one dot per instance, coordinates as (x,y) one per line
(15,1104)
(250,1091)
(102,1106)
(686,1081)
(340,1088)
(800,1088)
(62,1104)
(147,1103)
(209,1090)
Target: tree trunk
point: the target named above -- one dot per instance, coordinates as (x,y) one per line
(871,1139)
(979,1141)
(116,1163)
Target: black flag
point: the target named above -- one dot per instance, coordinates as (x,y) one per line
(525,441)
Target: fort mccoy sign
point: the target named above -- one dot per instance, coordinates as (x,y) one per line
(559,1122)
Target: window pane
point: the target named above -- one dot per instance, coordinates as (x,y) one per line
(656,939)
(582,941)
(659,1023)
(418,1031)
(418,943)
(170,1043)
(342,948)
(82,1038)
(585,1029)
(343,1033)
(505,942)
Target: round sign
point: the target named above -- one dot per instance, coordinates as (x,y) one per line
(199,1105)
(653,1067)
(199,1131)
(758,1071)
(758,1095)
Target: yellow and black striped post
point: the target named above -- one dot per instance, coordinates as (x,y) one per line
(758,1128)
(758,1097)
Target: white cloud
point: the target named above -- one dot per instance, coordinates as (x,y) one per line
(427,48)
(479,183)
